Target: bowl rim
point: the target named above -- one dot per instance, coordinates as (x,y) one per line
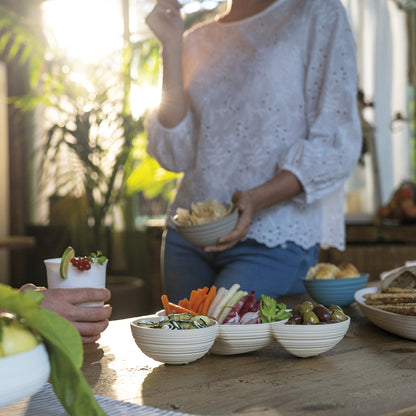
(133,324)
(362,277)
(348,320)
(233,212)
(37,349)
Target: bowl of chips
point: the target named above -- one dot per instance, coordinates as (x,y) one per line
(205,222)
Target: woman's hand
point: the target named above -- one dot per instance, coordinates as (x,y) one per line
(245,205)
(90,321)
(283,186)
(166,22)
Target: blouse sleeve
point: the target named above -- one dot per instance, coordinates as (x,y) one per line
(330,152)
(173,147)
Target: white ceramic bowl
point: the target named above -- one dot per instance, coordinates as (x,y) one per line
(204,235)
(309,340)
(24,374)
(173,346)
(240,339)
(401,325)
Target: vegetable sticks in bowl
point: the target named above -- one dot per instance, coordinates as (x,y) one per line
(228,306)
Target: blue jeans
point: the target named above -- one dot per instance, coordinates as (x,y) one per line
(272,271)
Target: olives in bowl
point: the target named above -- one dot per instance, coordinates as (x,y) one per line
(307,313)
(312,329)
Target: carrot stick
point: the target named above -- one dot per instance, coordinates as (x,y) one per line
(180,309)
(192,298)
(165,303)
(208,300)
(201,297)
(200,304)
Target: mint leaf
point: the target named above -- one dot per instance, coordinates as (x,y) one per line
(101,260)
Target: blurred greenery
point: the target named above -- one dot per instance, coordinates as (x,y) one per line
(93,149)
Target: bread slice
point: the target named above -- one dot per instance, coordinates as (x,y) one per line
(386,298)
(401,308)
(404,278)
(397,290)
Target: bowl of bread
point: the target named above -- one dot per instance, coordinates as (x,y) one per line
(205,222)
(330,284)
(392,304)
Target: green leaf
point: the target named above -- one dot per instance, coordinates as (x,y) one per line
(64,345)
(268,307)
(101,260)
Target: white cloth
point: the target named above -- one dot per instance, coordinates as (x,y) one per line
(270,92)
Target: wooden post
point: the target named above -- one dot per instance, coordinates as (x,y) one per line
(4,175)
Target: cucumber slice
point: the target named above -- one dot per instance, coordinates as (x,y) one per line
(180,316)
(202,319)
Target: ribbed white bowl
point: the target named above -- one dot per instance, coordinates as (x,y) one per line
(240,339)
(173,346)
(309,340)
(23,375)
(401,325)
(204,235)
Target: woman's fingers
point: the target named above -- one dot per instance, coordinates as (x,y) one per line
(91,329)
(89,313)
(165,20)
(88,294)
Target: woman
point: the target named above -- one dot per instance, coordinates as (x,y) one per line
(258,107)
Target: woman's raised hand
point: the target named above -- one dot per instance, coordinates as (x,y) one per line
(166,22)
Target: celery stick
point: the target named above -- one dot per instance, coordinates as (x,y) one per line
(230,304)
(231,291)
(220,294)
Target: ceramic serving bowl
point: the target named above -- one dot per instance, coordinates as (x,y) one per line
(204,235)
(173,346)
(335,291)
(309,340)
(240,339)
(24,374)
(401,325)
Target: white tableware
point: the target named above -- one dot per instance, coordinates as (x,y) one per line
(309,340)
(173,346)
(24,374)
(94,277)
(240,339)
(207,234)
(401,325)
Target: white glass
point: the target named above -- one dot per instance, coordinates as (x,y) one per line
(94,277)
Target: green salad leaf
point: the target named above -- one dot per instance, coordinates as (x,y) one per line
(64,345)
(271,311)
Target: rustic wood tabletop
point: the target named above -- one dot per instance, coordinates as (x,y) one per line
(370,372)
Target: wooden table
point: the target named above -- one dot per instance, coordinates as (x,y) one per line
(371,372)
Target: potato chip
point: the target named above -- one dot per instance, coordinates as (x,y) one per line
(202,213)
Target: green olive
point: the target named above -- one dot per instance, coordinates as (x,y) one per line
(310,318)
(305,307)
(333,308)
(339,316)
(296,309)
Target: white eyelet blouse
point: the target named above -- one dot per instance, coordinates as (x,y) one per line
(274,91)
